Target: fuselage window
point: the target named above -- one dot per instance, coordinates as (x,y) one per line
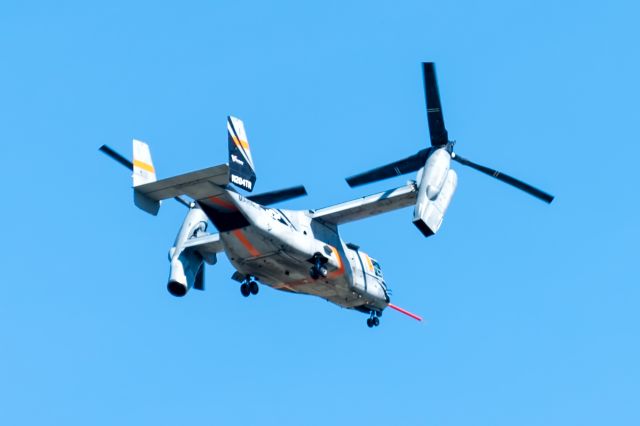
(377,268)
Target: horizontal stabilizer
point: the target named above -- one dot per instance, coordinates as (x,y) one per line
(199,184)
(147,204)
(277,196)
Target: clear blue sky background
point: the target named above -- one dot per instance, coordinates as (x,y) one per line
(531,310)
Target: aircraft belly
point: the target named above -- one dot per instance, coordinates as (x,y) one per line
(282,267)
(282,272)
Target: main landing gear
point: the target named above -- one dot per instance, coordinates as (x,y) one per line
(318,269)
(374,320)
(249,286)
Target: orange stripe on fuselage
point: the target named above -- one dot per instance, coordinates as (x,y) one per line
(222,203)
(290,284)
(338,272)
(246,243)
(144,166)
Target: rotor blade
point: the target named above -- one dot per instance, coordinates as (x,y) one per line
(397,168)
(437,132)
(182,201)
(273,197)
(547,198)
(116,156)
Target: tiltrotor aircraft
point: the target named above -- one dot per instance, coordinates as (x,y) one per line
(299,251)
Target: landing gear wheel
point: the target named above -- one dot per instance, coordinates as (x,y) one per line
(369,322)
(314,273)
(318,269)
(244,289)
(253,287)
(375,321)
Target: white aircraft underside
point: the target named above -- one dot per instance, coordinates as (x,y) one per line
(278,242)
(277,247)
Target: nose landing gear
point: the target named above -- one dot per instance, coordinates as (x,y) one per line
(373,320)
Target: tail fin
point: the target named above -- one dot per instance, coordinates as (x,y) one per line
(241,170)
(143,172)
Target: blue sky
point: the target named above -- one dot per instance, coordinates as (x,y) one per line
(531,310)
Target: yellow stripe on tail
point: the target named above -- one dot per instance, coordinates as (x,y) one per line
(143,170)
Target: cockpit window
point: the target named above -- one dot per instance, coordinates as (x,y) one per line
(377,268)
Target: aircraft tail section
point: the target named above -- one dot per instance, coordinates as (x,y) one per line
(143,170)
(241,169)
(143,173)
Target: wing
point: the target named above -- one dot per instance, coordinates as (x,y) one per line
(206,245)
(370,205)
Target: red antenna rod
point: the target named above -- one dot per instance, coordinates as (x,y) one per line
(403,311)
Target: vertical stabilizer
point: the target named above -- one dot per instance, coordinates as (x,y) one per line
(241,170)
(143,172)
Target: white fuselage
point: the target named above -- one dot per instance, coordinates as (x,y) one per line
(278,247)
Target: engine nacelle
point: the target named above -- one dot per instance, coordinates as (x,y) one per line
(184,272)
(436,186)
(186,268)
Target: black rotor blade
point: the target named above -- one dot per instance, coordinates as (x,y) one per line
(397,168)
(272,197)
(547,198)
(116,156)
(437,132)
(182,201)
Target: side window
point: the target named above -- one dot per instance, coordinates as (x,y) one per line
(377,268)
